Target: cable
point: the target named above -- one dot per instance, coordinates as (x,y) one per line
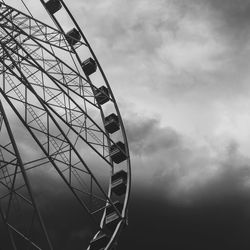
(27,8)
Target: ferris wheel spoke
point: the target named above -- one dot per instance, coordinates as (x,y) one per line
(15,230)
(9,232)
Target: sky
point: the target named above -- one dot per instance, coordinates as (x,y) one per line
(179,70)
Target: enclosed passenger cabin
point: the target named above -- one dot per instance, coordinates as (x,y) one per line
(73,36)
(53,6)
(119,182)
(111,123)
(112,217)
(89,66)
(99,242)
(118,152)
(101,95)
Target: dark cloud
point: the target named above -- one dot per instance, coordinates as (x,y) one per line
(146,137)
(221,224)
(234,14)
(182,171)
(229,19)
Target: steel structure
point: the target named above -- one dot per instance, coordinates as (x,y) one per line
(58,118)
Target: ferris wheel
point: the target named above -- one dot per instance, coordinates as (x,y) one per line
(59,124)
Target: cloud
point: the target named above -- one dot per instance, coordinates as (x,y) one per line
(168,58)
(146,138)
(182,170)
(233,17)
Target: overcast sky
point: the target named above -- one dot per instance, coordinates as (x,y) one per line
(180,72)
